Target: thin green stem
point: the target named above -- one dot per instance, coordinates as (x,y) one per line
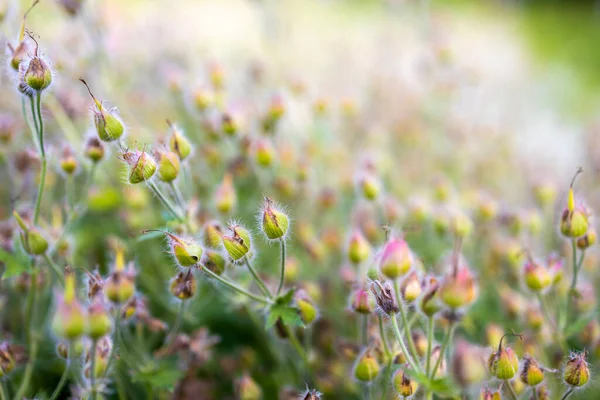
(413,365)
(178,320)
(28,123)
(281,278)
(65,375)
(40,194)
(386,347)
(447,340)
(3,394)
(257,279)
(430,328)
(165,201)
(405,324)
(236,287)
(571,293)
(177,194)
(365,329)
(29,368)
(567,393)
(297,346)
(111,357)
(93,370)
(35,121)
(30,302)
(511,390)
(55,268)
(534,395)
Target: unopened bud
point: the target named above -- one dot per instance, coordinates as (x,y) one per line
(588,239)
(363,301)
(109,126)
(310,395)
(308,310)
(248,389)
(359,248)
(187,253)
(70,319)
(203,99)
(225,197)
(537,277)
(94,150)
(459,288)
(214,261)
(99,323)
(396,259)
(36,73)
(384,297)
(178,143)
(142,165)
(490,394)
(264,153)
(430,303)
(168,165)
(275,222)
(577,372)
(504,364)
(404,386)
(369,187)
(120,285)
(574,219)
(410,288)
(531,373)
(183,285)
(237,244)
(68,162)
(366,368)
(212,234)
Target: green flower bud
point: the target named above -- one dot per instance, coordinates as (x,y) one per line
(70,320)
(214,261)
(459,288)
(264,153)
(178,143)
(588,239)
(404,386)
(225,197)
(212,234)
(109,126)
(17,54)
(275,222)
(168,165)
(36,244)
(574,219)
(504,363)
(247,389)
(370,187)
(366,368)
(237,245)
(94,150)
(531,373)
(120,285)
(410,288)
(362,301)
(537,277)
(68,162)
(359,248)
(99,322)
(577,372)
(430,302)
(396,258)
(183,286)
(37,76)
(142,165)
(187,253)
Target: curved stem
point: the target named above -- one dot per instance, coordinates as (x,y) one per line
(386,347)
(55,268)
(236,287)
(282,245)
(430,327)
(40,194)
(447,340)
(413,365)
(177,194)
(534,395)
(511,390)
(297,346)
(165,202)
(571,293)
(178,320)
(31,130)
(257,279)
(65,375)
(29,369)
(405,324)
(567,393)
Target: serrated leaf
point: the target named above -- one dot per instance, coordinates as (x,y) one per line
(164,377)
(289,315)
(15,263)
(578,325)
(286,298)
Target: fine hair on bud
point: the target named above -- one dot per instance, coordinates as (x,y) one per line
(274,221)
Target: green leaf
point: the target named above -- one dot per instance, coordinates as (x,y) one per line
(286,298)
(440,386)
(15,263)
(289,315)
(164,376)
(578,325)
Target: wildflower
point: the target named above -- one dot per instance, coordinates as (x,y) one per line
(212,234)
(310,394)
(248,389)
(458,289)
(102,349)
(99,323)
(490,394)
(531,373)
(225,198)
(396,258)
(109,126)
(574,219)
(70,319)
(237,244)
(358,248)
(410,287)
(68,162)
(430,301)
(186,252)
(94,150)
(264,153)
(405,387)
(576,372)
(178,143)
(504,364)
(537,277)
(588,239)
(31,238)
(275,222)
(362,301)
(34,74)
(308,310)
(141,165)
(120,285)
(214,261)
(168,165)
(367,367)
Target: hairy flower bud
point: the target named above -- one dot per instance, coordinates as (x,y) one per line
(33,241)
(430,302)
(384,297)
(237,244)
(396,258)
(308,310)
(490,394)
(183,285)
(366,367)
(574,219)
(264,153)
(362,301)
(404,386)
(225,197)
(103,350)
(35,74)
(537,277)
(531,373)
(212,234)
(187,253)
(120,284)
(68,162)
(410,287)
(359,248)
(168,165)
(94,150)
(588,239)
(576,372)
(504,364)
(109,126)
(99,323)
(275,222)
(70,319)
(458,289)
(178,143)
(214,261)
(369,187)
(142,165)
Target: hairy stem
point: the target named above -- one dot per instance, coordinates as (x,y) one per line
(40,132)
(447,340)
(567,393)
(511,390)
(405,324)
(282,245)
(236,287)
(257,279)
(65,375)
(386,347)
(165,201)
(430,328)
(413,365)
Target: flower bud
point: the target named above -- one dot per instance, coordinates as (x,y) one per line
(237,245)
(264,153)
(94,150)
(308,310)
(363,301)
(384,297)
(248,389)
(531,373)
(574,219)
(430,303)
(120,285)
(225,197)
(366,368)
(537,277)
(187,253)
(588,239)
(545,194)
(178,143)
(212,234)
(230,123)
(504,364)
(142,165)
(33,241)
(576,372)
(359,248)
(369,187)
(396,259)
(17,54)
(468,364)
(203,99)
(410,287)
(404,386)
(103,349)
(458,288)
(275,222)
(35,74)
(490,394)
(214,261)
(109,126)
(69,320)
(68,162)
(99,323)
(542,392)
(310,395)
(168,165)
(183,285)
